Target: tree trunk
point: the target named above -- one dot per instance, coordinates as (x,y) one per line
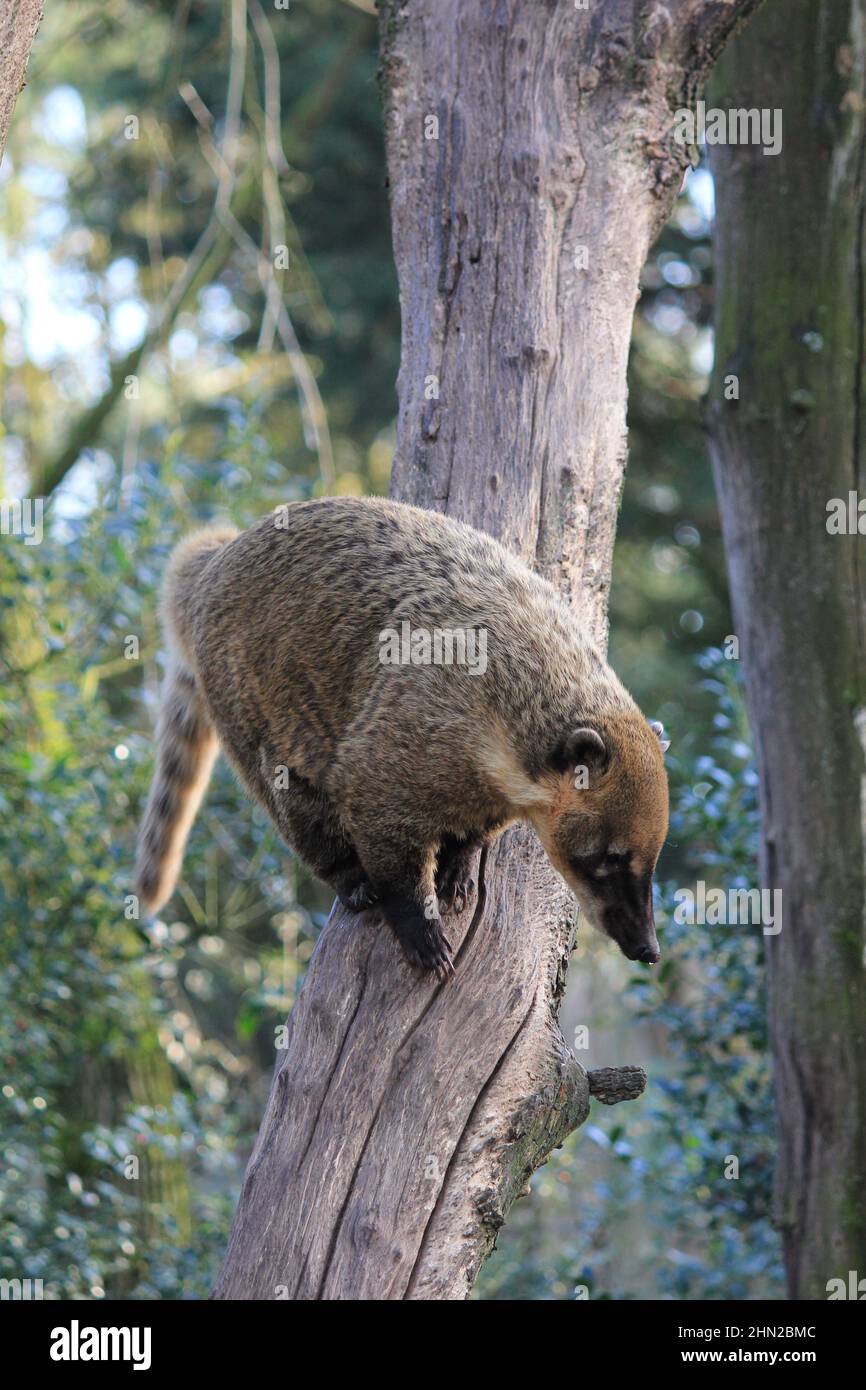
(19,20)
(790,325)
(530,163)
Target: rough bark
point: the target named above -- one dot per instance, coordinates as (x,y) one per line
(19,20)
(790,324)
(405,1118)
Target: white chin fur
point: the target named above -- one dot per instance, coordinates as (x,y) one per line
(587,910)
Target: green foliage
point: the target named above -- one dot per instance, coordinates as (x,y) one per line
(119,1043)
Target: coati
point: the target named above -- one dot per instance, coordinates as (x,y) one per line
(383,767)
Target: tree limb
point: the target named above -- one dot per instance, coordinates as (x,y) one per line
(700,29)
(19,20)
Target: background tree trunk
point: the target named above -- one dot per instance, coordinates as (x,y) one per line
(19,20)
(790,324)
(530,160)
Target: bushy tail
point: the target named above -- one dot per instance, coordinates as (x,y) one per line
(186,744)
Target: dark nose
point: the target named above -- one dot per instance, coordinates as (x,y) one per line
(649,955)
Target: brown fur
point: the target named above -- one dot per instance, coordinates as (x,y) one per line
(395,772)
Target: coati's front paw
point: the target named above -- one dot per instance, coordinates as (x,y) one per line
(430,949)
(424,943)
(455,891)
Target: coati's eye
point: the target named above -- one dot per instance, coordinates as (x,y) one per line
(601,864)
(612,860)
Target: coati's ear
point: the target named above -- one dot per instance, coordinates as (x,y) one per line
(659,729)
(580,748)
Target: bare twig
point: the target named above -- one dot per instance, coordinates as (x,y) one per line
(312,407)
(223,226)
(276,164)
(54,472)
(698,31)
(271,60)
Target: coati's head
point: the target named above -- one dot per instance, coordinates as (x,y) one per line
(606,824)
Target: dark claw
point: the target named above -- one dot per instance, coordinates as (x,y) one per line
(444,973)
(465,891)
(433,954)
(424,943)
(455,897)
(445,969)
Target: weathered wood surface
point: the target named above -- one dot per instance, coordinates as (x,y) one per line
(19,20)
(405,1117)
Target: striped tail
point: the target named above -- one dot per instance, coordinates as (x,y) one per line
(186,743)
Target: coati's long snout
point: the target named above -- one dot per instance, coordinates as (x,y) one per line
(327,651)
(636,938)
(605,825)
(622,908)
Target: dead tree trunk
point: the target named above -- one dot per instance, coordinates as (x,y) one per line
(19,20)
(531,160)
(791,327)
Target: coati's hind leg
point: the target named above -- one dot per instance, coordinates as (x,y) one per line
(403,878)
(455,883)
(306,818)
